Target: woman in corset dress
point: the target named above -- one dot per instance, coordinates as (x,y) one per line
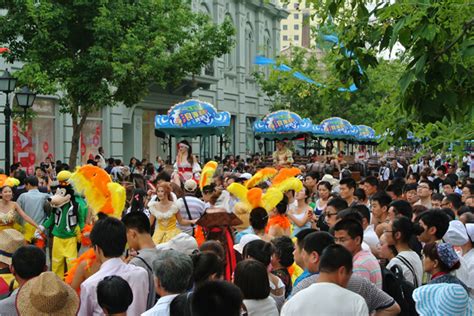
(166,214)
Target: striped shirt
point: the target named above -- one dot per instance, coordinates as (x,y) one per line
(367,266)
(196,209)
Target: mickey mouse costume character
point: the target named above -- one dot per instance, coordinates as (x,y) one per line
(68,216)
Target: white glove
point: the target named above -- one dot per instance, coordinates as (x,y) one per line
(41,228)
(38,234)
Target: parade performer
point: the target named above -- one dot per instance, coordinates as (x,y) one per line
(67,218)
(186,166)
(104,198)
(8,208)
(284,181)
(282,157)
(166,213)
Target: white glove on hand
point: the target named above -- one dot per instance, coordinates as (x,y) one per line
(38,234)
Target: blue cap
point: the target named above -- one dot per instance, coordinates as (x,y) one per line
(442,299)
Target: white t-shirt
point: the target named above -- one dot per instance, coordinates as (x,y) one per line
(415,261)
(370,237)
(325,299)
(266,307)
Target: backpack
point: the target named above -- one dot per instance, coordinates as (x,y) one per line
(395,285)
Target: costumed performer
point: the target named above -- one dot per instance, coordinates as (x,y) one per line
(217,222)
(68,216)
(186,166)
(282,157)
(278,222)
(9,210)
(104,198)
(166,213)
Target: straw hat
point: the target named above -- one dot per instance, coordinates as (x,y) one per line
(45,295)
(10,241)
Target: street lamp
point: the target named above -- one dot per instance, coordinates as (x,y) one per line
(25,98)
(7,85)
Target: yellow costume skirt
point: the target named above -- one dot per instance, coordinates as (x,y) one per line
(163,235)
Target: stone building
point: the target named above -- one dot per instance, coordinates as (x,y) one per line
(129,132)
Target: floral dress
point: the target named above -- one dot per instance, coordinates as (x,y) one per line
(165,223)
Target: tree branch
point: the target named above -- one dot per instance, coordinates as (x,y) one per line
(467,26)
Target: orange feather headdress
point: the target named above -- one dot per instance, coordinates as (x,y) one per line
(285,173)
(101,193)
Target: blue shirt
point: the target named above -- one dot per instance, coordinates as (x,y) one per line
(32,203)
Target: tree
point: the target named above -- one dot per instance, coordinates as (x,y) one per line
(324,100)
(94,54)
(436,87)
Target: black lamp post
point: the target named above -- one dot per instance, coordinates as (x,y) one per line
(7,85)
(25,98)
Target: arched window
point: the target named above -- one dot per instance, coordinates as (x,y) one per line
(267,49)
(249,47)
(229,58)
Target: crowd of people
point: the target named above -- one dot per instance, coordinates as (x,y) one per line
(209,239)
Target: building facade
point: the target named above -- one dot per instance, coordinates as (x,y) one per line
(126,132)
(296,28)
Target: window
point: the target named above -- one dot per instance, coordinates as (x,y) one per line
(249,47)
(91,136)
(35,141)
(285,37)
(250,139)
(297,37)
(296,16)
(296,5)
(296,26)
(285,27)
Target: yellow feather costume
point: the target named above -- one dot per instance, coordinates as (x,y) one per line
(207,173)
(261,175)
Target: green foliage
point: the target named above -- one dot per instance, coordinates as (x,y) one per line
(94,54)
(435,90)
(320,102)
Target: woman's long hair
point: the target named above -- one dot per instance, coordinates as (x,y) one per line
(190,157)
(137,203)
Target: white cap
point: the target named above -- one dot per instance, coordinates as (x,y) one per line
(245,176)
(245,240)
(190,185)
(182,242)
(456,234)
(329,178)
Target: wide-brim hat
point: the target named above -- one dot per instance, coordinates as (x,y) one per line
(442,299)
(47,294)
(10,241)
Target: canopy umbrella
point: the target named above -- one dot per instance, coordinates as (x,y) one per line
(282,125)
(335,128)
(192,118)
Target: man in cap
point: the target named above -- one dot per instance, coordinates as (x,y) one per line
(190,207)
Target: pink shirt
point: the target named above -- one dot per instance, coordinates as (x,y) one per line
(137,278)
(366,265)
